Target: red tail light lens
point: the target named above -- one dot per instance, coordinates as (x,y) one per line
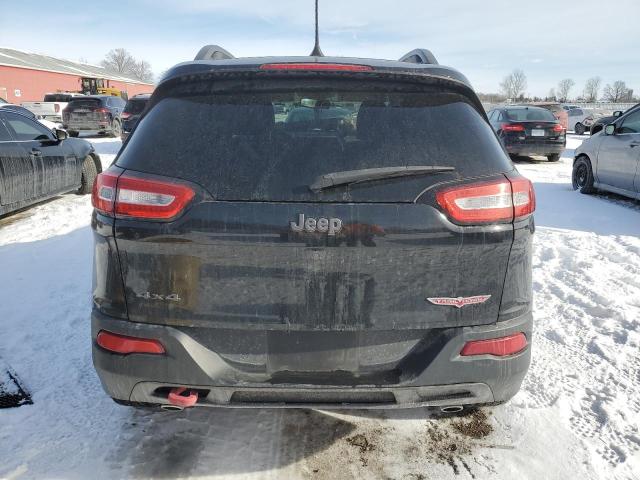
(151,199)
(316,66)
(490,202)
(558,128)
(499,347)
(101,110)
(103,195)
(125,115)
(524,197)
(126,345)
(129,196)
(56,107)
(512,127)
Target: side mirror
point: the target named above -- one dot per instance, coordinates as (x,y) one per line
(610,129)
(617,113)
(61,134)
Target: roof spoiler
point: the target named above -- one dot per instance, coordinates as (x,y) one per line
(213,52)
(420,55)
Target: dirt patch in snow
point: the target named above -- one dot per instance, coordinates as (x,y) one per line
(474,426)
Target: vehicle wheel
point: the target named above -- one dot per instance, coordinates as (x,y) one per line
(116,129)
(582,175)
(89,174)
(579,129)
(73,133)
(554,157)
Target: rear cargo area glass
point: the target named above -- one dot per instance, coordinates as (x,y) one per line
(270,146)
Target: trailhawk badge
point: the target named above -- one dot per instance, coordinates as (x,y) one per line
(459,302)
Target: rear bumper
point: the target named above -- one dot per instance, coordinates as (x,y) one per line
(89,125)
(444,377)
(535,148)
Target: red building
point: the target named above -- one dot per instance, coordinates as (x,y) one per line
(27,77)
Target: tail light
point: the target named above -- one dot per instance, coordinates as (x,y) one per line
(316,66)
(558,128)
(101,110)
(127,196)
(512,127)
(126,345)
(125,115)
(56,107)
(499,347)
(488,202)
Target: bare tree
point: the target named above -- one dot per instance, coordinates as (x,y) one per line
(564,87)
(592,89)
(142,71)
(618,92)
(514,84)
(551,95)
(119,61)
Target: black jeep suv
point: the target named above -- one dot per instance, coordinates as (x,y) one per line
(376,258)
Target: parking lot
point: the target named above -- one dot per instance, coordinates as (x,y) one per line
(577,415)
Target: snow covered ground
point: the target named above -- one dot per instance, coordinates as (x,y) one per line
(577,415)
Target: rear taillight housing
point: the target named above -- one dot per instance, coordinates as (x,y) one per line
(512,127)
(128,196)
(101,110)
(496,201)
(56,107)
(125,115)
(497,347)
(558,128)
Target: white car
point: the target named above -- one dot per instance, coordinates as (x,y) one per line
(580,120)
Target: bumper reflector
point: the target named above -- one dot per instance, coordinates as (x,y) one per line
(125,345)
(499,347)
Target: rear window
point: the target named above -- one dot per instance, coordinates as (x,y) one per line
(58,97)
(84,103)
(270,146)
(529,114)
(135,107)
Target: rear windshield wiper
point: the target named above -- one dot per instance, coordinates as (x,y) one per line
(348,177)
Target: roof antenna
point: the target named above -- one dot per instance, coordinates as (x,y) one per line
(316,48)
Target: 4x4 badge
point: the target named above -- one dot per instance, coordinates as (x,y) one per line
(459,302)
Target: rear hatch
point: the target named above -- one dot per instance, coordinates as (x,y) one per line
(85,111)
(256,249)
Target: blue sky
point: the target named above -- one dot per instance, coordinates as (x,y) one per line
(548,39)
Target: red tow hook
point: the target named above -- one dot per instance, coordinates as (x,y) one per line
(178,398)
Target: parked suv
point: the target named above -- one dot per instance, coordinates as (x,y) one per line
(95,112)
(131,113)
(380,259)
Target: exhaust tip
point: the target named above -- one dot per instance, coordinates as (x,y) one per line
(171,408)
(452,409)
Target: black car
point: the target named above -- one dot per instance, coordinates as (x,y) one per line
(602,122)
(525,130)
(96,112)
(245,260)
(131,113)
(36,163)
